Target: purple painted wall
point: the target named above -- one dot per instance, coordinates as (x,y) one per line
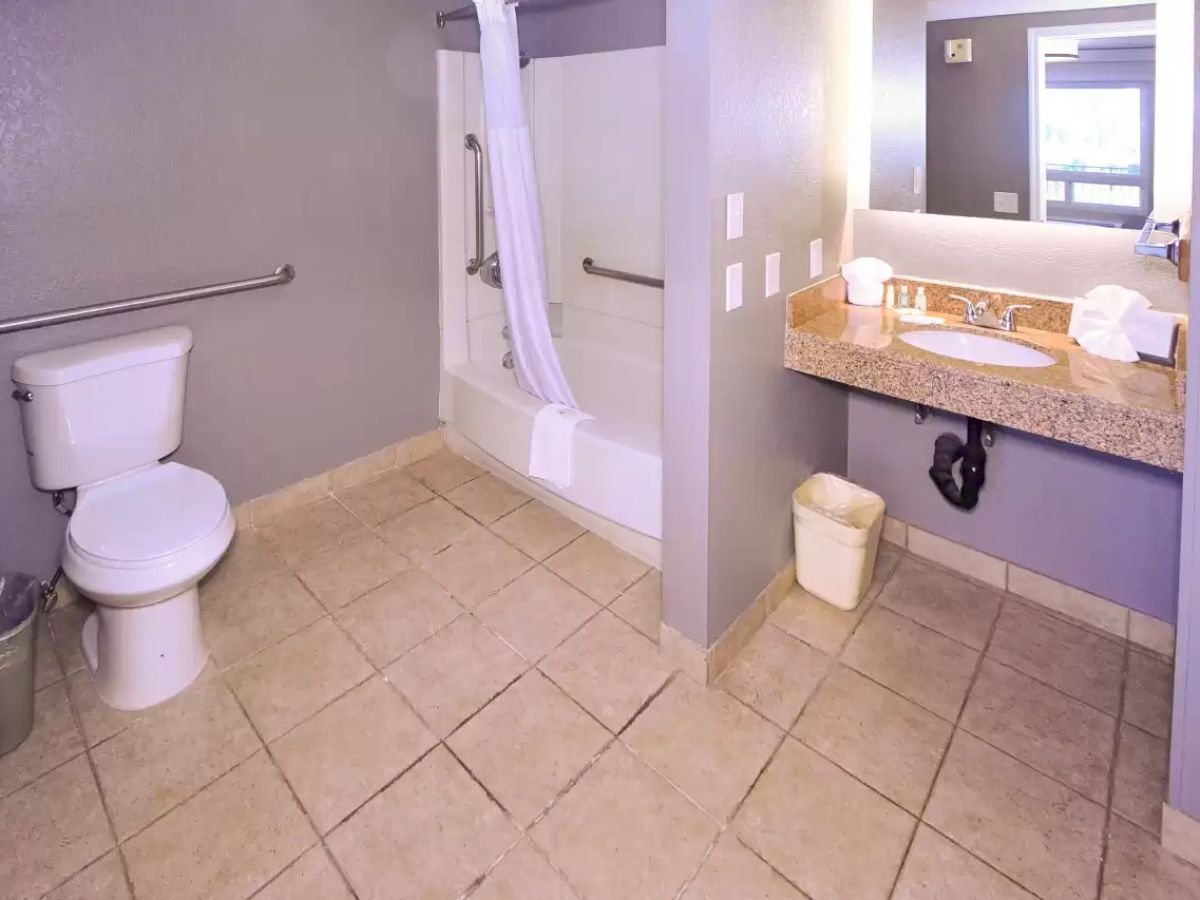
(1102,524)
(571,27)
(153,146)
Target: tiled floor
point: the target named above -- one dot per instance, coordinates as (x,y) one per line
(430,687)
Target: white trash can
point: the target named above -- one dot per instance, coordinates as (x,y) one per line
(838,525)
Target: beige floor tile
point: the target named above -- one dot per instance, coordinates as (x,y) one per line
(817,623)
(363,468)
(1140,785)
(1044,836)
(224,843)
(238,624)
(876,735)
(523,875)
(956,556)
(704,742)
(609,669)
(641,605)
(383,498)
(455,673)
(528,744)
(537,530)
(938,869)
(476,566)
(536,613)
(443,471)
(427,529)
(912,660)
(1044,728)
(344,572)
(1080,606)
(1148,693)
(1138,867)
(732,872)
(596,567)
(349,750)
(65,625)
(248,561)
(98,720)
(288,683)
(434,831)
(305,532)
(1076,661)
(51,829)
(487,498)
(948,603)
(47,670)
(1153,634)
(311,877)
(775,674)
(102,880)
(53,740)
(623,832)
(394,618)
(826,832)
(170,753)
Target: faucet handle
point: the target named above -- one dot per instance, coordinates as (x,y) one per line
(1007,322)
(968,307)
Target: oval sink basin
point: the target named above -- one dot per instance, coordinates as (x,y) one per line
(978,348)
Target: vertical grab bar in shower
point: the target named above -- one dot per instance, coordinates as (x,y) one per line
(472,144)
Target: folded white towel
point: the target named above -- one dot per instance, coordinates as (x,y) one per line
(1099,320)
(552,445)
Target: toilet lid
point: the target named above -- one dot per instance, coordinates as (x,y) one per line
(148,514)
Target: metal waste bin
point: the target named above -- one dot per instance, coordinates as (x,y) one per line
(21,602)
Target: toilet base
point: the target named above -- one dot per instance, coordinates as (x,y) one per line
(143,655)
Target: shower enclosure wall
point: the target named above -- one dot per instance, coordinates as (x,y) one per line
(597,123)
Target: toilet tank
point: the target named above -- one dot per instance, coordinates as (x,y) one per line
(98,409)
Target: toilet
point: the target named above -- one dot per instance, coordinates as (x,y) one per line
(100,417)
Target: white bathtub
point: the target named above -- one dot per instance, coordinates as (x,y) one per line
(617,458)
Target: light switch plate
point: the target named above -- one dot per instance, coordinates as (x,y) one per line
(816,258)
(1005,202)
(734,216)
(772,281)
(918,180)
(733,287)
(958,51)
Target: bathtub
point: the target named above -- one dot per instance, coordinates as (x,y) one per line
(617,458)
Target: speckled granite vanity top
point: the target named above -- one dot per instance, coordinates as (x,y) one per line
(1131,410)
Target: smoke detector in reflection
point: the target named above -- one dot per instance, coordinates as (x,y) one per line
(958,50)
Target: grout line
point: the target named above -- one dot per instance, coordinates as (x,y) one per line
(1114,762)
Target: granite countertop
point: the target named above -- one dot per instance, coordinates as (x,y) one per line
(1131,410)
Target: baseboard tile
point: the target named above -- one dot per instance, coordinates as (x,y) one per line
(705,664)
(265,509)
(1181,834)
(1090,610)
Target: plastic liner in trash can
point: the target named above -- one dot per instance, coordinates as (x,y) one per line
(838,525)
(20,603)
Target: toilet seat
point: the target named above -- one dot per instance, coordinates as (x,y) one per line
(140,519)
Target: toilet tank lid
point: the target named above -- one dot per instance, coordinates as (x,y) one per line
(81,361)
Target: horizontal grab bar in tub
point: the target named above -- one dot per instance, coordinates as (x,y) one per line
(589,266)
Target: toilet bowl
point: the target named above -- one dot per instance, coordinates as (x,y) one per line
(138,544)
(100,418)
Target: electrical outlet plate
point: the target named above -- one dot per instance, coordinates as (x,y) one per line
(733,287)
(771,287)
(816,258)
(958,50)
(734,216)
(1005,202)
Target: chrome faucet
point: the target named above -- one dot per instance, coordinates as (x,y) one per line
(982,315)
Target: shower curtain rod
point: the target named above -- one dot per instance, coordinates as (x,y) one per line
(463,12)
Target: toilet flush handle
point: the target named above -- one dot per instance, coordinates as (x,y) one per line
(23,396)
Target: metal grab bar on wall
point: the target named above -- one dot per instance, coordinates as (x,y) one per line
(476,148)
(283,275)
(589,266)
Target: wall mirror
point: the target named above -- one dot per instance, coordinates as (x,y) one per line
(1068,111)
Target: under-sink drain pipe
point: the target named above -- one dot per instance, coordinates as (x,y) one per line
(949,449)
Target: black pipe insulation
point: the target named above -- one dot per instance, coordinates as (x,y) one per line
(949,449)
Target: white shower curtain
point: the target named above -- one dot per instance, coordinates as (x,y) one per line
(518,215)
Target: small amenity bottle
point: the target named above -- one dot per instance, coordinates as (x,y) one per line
(922,302)
(903,303)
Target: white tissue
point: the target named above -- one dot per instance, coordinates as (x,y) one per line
(865,278)
(1099,320)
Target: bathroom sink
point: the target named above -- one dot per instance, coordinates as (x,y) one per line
(978,348)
